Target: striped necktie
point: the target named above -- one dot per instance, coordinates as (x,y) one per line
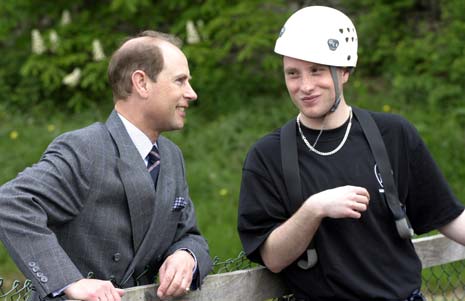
(153,164)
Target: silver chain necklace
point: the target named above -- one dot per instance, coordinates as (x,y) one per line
(313,149)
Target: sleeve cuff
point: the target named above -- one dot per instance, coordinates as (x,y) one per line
(59,292)
(195,271)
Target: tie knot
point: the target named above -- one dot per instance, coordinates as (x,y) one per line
(153,163)
(153,157)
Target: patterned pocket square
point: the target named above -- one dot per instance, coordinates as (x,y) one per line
(179,203)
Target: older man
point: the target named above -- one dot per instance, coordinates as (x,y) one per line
(108,206)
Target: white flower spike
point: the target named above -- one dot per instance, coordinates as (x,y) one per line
(192,34)
(38,46)
(97,50)
(72,79)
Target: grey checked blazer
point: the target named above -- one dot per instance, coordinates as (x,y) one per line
(89,208)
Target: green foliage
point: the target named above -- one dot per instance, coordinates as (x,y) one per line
(416,46)
(380,25)
(231,59)
(431,68)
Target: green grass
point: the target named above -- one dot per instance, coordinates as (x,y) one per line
(214,148)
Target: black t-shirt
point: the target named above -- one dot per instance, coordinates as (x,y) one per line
(358,258)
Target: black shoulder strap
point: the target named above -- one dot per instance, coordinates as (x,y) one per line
(290,164)
(378,149)
(291,174)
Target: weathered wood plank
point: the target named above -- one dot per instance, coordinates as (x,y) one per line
(250,284)
(260,284)
(438,249)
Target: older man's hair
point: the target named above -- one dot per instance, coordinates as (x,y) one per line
(143,55)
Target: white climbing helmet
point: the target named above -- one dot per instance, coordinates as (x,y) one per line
(321,35)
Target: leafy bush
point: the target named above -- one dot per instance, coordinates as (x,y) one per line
(431,66)
(231,57)
(415,46)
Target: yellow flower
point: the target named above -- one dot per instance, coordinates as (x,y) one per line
(14,135)
(387,108)
(50,128)
(223,192)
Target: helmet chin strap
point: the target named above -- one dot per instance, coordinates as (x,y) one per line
(333,71)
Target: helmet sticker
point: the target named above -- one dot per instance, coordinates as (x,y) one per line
(333,44)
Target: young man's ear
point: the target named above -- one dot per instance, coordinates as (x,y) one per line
(346,72)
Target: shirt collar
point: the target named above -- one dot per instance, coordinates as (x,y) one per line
(140,140)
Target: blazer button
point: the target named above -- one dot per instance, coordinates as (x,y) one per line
(35,269)
(32,264)
(43,279)
(40,274)
(116,257)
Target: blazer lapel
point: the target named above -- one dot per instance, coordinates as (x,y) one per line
(159,228)
(149,209)
(138,184)
(164,197)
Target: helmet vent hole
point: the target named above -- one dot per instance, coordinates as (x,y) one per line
(348,57)
(348,29)
(341,30)
(353,39)
(347,39)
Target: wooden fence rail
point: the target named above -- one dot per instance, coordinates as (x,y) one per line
(259,284)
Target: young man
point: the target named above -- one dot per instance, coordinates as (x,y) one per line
(107,206)
(339,241)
